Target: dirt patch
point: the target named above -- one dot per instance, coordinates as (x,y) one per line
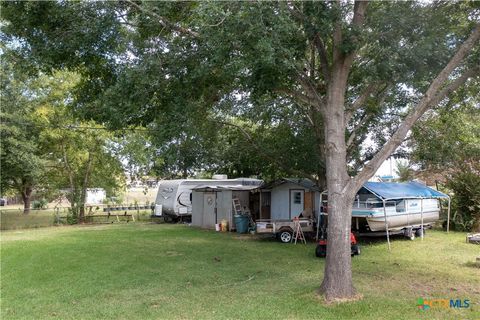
(173,254)
(334,302)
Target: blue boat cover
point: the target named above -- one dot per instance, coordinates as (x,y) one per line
(394,190)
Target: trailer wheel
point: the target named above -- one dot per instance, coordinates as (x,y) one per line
(321,251)
(285,236)
(409,233)
(419,232)
(168,219)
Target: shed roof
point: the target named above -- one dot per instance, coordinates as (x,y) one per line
(395,190)
(305,183)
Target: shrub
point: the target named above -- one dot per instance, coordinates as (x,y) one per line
(465,185)
(40,204)
(72,216)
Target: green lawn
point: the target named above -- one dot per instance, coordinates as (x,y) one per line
(146,271)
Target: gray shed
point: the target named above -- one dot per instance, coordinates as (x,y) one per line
(212,204)
(290,197)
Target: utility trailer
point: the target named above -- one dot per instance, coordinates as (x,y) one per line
(283,229)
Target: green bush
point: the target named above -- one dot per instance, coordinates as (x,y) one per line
(40,204)
(465,185)
(72,216)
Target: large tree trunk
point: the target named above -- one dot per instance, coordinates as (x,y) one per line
(26,197)
(72,197)
(337,282)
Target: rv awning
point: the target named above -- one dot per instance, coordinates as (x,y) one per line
(393,190)
(219,188)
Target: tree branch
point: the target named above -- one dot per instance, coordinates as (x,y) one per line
(295,11)
(454,62)
(69,171)
(454,85)
(218,23)
(310,88)
(432,96)
(317,41)
(322,53)
(319,137)
(312,62)
(342,62)
(299,97)
(366,117)
(359,12)
(337,38)
(354,132)
(359,9)
(360,101)
(164,22)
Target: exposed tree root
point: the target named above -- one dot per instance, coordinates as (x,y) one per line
(332,301)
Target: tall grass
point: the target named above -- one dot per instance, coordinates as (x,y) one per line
(14,219)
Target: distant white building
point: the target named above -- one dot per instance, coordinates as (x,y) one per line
(95,196)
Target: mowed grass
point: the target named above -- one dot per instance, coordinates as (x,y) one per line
(146,271)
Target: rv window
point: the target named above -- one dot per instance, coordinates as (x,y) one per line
(190,197)
(297,197)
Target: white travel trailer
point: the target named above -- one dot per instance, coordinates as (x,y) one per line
(174,197)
